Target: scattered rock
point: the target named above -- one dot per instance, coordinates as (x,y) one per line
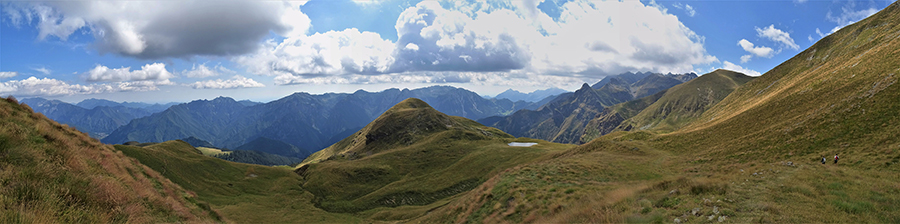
(677,220)
(695,211)
(716,210)
(673,192)
(711,217)
(722,218)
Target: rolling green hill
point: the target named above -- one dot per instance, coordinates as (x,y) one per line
(753,157)
(409,159)
(52,173)
(241,193)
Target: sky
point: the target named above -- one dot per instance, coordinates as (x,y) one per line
(177,51)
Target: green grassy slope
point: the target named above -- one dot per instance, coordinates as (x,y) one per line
(753,157)
(838,96)
(52,173)
(686,102)
(611,117)
(666,110)
(241,193)
(411,158)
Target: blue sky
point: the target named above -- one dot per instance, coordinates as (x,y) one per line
(161,51)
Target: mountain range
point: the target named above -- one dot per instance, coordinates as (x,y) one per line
(536,96)
(309,122)
(152,108)
(722,147)
(98,118)
(564,118)
(666,110)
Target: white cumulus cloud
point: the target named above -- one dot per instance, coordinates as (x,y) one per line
(331,53)
(746,58)
(155,72)
(235,82)
(733,67)
(202,71)
(777,35)
(590,39)
(760,51)
(33,86)
(160,29)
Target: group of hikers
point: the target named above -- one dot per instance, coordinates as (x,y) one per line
(835,159)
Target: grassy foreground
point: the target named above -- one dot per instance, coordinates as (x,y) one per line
(241,193)
(52,173)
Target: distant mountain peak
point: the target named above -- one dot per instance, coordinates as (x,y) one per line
(223,98)
(584,86)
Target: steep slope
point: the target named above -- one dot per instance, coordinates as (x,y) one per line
(97,121)
(753,157)
(241,193)
(412,155)
(52,173)
(686,102)
(838,96)
(611,117)
(564,119)
(669,109)
(304,120)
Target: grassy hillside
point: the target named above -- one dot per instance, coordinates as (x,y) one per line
(409,160)
(686,102)
(52,173)
(611,117)
(241,193)
(753,157)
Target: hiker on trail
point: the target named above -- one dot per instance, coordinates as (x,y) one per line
(823,159)
(835,158)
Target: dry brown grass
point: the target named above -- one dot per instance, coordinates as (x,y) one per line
(53,173)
